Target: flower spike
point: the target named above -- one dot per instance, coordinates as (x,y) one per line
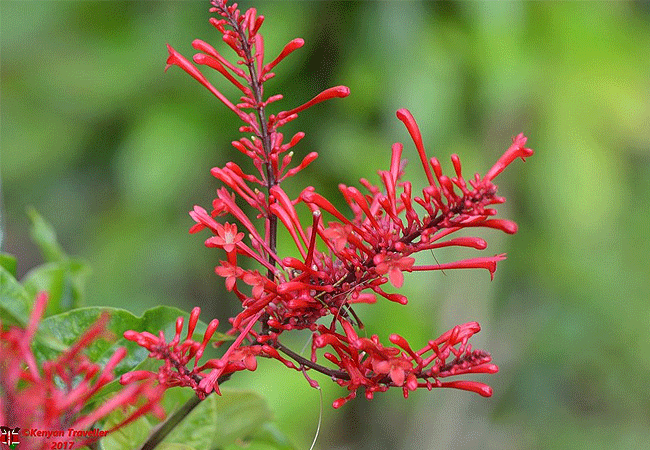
(352,257)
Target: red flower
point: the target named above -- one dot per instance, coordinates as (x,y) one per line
(257,281)
(230,273)
(396,368)
(337,234)
(393,266)
(226,238)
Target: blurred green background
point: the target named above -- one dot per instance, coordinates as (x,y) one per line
(114,153)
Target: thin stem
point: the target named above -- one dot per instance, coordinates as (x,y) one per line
(312,365)
(338,374)
(265,136)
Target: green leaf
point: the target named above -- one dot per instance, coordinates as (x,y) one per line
(221,420)
(15,302)
(44,236)
(64,281)
(8,262)
(69,326)
(176,397)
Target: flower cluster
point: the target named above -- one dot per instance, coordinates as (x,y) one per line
(55,394)
(366,362)
(343,261)
(177,354)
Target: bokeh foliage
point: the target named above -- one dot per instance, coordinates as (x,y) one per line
(114,153)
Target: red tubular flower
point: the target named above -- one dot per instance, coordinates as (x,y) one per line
(176,59)
(286,51)
(516,150)
(489,263)
(334,92)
